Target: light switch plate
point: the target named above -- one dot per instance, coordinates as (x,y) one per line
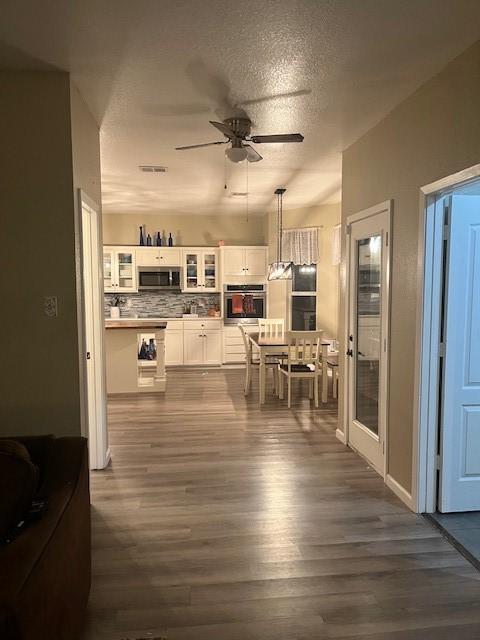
(50,306)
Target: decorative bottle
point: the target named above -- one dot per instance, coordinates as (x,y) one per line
(149,240)
(159,239)
(170,240)
(142,237)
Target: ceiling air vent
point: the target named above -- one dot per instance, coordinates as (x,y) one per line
(152,168)
(238,194)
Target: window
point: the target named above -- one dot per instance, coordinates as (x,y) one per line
(304,298)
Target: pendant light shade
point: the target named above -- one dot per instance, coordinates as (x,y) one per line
(279,270)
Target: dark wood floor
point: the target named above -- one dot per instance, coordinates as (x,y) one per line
(219,520)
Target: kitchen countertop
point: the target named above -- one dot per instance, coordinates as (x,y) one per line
(134,323)
(147,317)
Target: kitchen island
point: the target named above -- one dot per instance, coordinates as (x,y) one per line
(126,373)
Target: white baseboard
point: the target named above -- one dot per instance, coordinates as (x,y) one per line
(400,491)
(341,436)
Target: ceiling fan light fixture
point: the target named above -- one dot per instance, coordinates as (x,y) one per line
(236,154)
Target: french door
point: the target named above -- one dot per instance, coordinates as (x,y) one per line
(459,476)
(367,344)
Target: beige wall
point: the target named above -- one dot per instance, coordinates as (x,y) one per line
(434,133)
(40,369)
(187,230)
(325,217)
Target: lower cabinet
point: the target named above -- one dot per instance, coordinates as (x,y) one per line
(233,345)
(193,347)
(193,342)
(174,347)
(202,346)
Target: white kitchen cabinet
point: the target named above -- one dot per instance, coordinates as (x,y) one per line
(202,342)
(193,346)
(243,265)
(233,345)
(200,270)
(173,347)
(119,270)
(158,256)
(213,346)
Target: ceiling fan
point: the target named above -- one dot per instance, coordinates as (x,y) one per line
(237,133)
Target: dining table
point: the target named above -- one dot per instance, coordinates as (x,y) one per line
(271,346)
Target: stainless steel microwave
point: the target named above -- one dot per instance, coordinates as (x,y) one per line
(159,278)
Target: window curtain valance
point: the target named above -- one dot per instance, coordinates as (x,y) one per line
(300,246)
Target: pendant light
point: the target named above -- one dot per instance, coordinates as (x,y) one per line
(279,270)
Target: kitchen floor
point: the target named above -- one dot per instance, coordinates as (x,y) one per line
(222,520)
(463,529)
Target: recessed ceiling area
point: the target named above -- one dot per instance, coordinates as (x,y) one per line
(155,72)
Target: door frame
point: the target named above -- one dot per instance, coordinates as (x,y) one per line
(99,451)
(383,207)
(427,340)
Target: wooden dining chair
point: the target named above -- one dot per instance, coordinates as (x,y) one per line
(271,327)
(303,361)
(252,361)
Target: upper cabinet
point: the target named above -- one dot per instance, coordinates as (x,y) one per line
(243,265)
(200,270)
(119,269)
(159,256)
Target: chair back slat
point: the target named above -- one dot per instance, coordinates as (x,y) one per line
(271,328)
(304,347)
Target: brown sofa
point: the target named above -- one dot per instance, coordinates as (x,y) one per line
(45,571)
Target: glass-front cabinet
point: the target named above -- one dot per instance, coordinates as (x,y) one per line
(200,268)
(108,270)
(210,271)
(119,270)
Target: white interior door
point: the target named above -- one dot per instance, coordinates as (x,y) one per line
(93,319)
(367,337)
(460,422)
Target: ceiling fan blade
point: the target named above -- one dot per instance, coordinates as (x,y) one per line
(277,96)
(252,155)
(198,146)
(223,128)
(283,137)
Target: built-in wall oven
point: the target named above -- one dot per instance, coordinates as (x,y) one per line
(244,303)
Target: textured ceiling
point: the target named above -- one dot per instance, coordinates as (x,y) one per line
(155,71)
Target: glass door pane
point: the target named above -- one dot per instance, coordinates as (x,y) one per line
(209,270)
(125,270)
(368,325)
(107,269)
(192,270)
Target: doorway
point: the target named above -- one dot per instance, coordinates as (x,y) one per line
(449,389)
(92,327)
(368,260)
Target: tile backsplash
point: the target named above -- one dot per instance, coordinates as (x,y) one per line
(167,304)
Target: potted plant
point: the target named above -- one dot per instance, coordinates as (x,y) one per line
(115,304)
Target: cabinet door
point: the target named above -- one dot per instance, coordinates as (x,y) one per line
(147,257)
(192,268)
(234,262)
(193,344)
(109,270)
(256,262)
(169,257)
(125,271)
(210,270)
(213,346)
(174,347)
